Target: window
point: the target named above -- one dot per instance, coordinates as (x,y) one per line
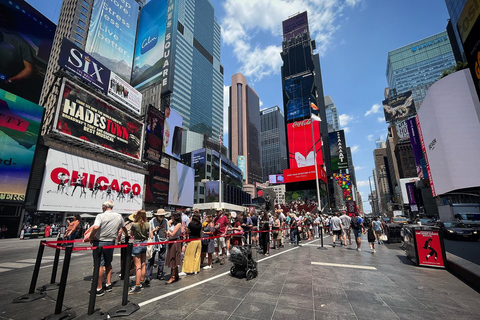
(78,44)
(209,168)
(81,23)
(202,190)
(84,10)
(84,17)
(209,157)
(80,30)
(85,3)
(78,37)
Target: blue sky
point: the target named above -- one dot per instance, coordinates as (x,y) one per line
(353,38)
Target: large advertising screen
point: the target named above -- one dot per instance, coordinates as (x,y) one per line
(26,41)
(300,144)
(157,185)
(181,185)
(416,147)
(295,25)
(154,135)
(276,178)
(298,93)
(76,184)
(198,162)
(399,107)
(148,60)
(83,116)
(212,192)
(172,133)
(304,174)
(111,34)
(338,150)
(20,122)
(121,91)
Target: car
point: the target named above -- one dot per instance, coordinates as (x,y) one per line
(457,230)
(427,222)
(399,220)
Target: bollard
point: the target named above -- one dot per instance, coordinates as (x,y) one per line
(127,308)
(321,240)
(122,263)
(52,285)
(96,267)
(32,295)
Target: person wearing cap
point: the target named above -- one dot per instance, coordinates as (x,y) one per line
(221,223)
(158,226)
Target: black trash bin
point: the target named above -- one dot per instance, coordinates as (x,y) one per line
(424,246)
(394,233)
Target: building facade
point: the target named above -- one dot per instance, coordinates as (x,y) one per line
(455,8)
(382,184)
(273,142)
(244,128)
(332,115)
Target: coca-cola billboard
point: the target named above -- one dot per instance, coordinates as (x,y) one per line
(300,144)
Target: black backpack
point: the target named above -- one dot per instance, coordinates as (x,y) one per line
(355,224)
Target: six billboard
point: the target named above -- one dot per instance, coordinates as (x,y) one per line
(76,184)
(149,48)
(83,116)
(157,185)
(26,42)
(172,133)
(338,150)
(154,135)
(399,107)
(111,34)
(298,93)
(20,122)
(181,184)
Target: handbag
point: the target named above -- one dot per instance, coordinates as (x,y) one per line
(384,237)
(149,249)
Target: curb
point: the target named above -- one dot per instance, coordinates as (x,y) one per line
(467,271)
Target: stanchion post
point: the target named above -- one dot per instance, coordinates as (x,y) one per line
(122,263)
(93,288)
(321,236)
(126,279)
(63,279)
(36,269)
(55,266)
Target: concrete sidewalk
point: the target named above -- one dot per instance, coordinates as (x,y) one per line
(294,282)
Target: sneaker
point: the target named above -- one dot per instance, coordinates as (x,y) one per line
(373,251)
(222,262)
(100,292)
(108,287)
(207,267)
(358,249)
(216,260)
(333,244)
(228,253)
(135,290)
(182,274)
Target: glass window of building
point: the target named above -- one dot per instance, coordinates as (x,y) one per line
(84,17)
(80,30)
(84,10)
(78,37)
(81,23)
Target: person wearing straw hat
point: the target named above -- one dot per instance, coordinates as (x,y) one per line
(158,226)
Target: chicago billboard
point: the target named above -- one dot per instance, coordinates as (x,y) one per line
(172,133)
(157,185)
(76,184)
(26,41)
(154,135)
(20,122)
(300,144)
(338,150)
(181,184)
(111,34)
(298,93)
(148,60)
(399,107)
(83,116)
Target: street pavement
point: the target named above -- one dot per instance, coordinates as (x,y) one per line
(293,283)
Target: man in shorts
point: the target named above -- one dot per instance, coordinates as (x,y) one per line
(337,228)
(358,229)
(220,223)
(346,228)
(104,233)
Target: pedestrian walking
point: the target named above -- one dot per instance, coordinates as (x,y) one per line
(265,234)
(371,238)
(140,232)
(337,228)
(158,227)
(346,220)
(358,229)
(378,229)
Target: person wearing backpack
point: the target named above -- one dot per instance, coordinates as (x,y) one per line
(358,229)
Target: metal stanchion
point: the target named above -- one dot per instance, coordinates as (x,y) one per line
(321,239)
(67,314)
(52,285)
(127,308)
(32,295)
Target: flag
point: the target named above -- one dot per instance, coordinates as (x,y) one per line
(314,106)
(316,118)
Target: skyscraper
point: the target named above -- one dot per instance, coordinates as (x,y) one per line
(417,65)
(332,115)
(244,129)
(455,8)
(273,142)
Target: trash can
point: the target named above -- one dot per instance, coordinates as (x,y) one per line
(394,233)
(424,246)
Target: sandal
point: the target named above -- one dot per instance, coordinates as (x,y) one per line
(171,280)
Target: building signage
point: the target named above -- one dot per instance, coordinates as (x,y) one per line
(338,150)
(154,135)
(85,117)
(416,147)
(157,185)
(399,107)
(298,93)
(351,206)
(169,49)
(76,184)
(424,152)
(20,122)
(468,18)
(172,133)
(429,43)
(304,174)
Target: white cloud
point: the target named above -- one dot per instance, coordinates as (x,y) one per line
(370,137)
(346,129)
(374,109)
(245,18)
(345,119)
(380,119)
(357,168)
(362,183)
(355,148)
(261,104)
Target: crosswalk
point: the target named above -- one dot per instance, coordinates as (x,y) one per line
(47,262)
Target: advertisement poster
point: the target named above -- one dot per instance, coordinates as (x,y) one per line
(242,166)
(27,38)
(416,148)
(83,116)
(402,130)
(345,183)
(304,174)
(212,192)
(120,91)
(172,133)
(429,248)
(148,60)
(181,185)
(276,178)
(169,47)
(351,206)
(399,107)
(20,122)
(298,93)
(111,34)
(198,163)
(338,150)
(154,135)
(157,185)
(83,65)
(76,184)
(300,144)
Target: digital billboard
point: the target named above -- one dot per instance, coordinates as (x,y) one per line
(338,150)
(121,91)
(416,147)
(157,185)
(298,93)
(20,122)
(304,174)
(26,41)
(169,47)
(83,116)
(345,183)
(300,143)
(111,34)
(399,107)
(154,135)
(198,163)
(76,184)
(402,130)
(148,60)
(212,191)
(181,184)
(172,133)
(276,178)
(295,26)
(242,166)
